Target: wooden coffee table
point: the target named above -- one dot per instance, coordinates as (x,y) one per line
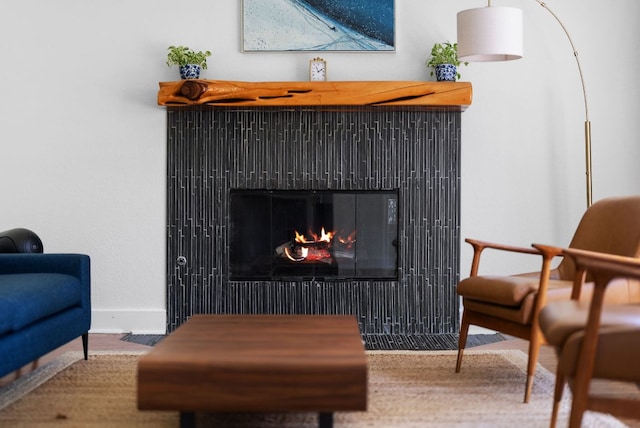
(257,363)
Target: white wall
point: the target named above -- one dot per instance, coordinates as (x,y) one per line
(82,158)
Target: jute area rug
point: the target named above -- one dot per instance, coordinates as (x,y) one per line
(406,389)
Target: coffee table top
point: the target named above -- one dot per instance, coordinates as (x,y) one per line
(257,363)
(225,338)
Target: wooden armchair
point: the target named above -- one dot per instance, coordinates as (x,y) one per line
(512,304)
(594,340)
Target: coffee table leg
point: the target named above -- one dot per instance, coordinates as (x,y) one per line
(187,420)
(325,420)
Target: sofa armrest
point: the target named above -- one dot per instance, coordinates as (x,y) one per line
(69,264)
(78,265)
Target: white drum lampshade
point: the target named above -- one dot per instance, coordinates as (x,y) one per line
(490,34)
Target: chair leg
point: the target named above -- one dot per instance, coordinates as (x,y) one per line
(557,397)
(577,412)
(580,390)
(534,350)
(462,341)
(85,345)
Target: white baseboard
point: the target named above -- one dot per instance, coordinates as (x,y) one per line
(148,321)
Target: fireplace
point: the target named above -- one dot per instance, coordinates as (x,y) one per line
(313,235)
(217,154)
(380,168)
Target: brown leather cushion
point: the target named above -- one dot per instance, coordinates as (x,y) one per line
(504,290)
(519,314)
(562,324)
(608,226)
(523,313)
(501,290)
(481,296)
(617,354)
(560,319)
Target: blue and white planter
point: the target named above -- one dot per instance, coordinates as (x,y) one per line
(190,71)
(446,72)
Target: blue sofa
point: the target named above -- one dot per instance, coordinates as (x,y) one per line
(45,302)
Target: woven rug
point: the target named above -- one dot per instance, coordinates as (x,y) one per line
(406,389)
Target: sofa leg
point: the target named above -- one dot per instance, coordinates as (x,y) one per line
(34,365)
(85,345)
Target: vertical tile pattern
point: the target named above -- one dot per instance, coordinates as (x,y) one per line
(211,151)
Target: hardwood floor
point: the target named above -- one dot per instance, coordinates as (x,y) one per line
(97,342)
(112,342)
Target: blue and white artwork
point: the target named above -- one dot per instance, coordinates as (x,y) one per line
(318,25)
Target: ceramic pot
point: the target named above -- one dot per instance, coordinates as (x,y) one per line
(446,72)
(190,71)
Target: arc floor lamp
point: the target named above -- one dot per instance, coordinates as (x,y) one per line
(495,34)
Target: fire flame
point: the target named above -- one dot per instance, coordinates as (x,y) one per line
(324,237)
(318,245)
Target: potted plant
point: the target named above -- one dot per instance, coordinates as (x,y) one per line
(189,61)
(444,61)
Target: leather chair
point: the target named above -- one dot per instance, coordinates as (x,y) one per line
(594,340)
(512,304)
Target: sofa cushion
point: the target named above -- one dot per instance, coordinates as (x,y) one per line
(27,298)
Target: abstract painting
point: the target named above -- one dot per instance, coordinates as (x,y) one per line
(318,25)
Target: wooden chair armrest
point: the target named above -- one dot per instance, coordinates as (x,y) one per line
(548,250)
(611,264)
(479,246)
(548,253)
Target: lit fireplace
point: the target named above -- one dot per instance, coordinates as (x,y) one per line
(221,250)
(314,234)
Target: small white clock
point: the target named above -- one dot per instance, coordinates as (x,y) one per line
(318,70)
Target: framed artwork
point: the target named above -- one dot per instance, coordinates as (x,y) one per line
(318,25)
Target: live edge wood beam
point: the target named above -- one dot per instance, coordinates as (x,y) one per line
(429,95)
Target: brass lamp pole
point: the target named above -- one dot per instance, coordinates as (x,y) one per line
(587,123)
(495,34)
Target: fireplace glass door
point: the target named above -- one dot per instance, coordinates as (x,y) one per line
(323,235)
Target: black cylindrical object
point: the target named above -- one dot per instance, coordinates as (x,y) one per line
(20,240)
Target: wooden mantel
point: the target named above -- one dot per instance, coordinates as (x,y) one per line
(431,95)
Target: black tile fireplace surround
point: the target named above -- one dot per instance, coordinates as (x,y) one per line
(212,151)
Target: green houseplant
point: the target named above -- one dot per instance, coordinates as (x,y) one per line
(189,61)
(444,61)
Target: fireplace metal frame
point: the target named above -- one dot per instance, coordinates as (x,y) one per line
(371,254)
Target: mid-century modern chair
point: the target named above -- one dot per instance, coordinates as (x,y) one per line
(511,304)
(595,340)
